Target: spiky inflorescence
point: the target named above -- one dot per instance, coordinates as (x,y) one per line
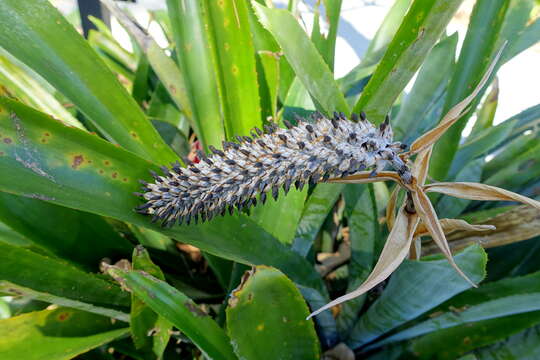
(261,164)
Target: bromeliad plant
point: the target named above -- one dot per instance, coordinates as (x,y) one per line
(82,121)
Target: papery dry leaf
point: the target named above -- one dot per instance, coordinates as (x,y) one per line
(364,177)
(421,166)
(476,191)
(430,137)
(520,223)
(391,208)
(394,252)
(451,225)
(430,220)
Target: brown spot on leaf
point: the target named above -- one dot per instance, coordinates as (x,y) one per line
(1,153)
(77,161)
(7,141)
(106,163)
(63,316)
(125,179)
(46,134)
(101,171)
(114,175)
(172,88)
(134,134)
(194,309)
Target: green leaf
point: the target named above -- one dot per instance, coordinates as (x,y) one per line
(57,334)
(509,305)
(303,57)
(103,180)
(364,233)
(386,32)
(235,60)
(450,207)
(24,85)
(164,67)
(280,217)
(486,113)
(38,35)
(375,51)
(263,41)
(425,99)
(317,207)
(179,310)
(267,315)
(479,145)
(452,342)
(524,40)
(326,43)
(421,28)
(270,63)
(196,60)
(475,57)
(522,346)
(24,272)
(150,332)
(520,171)
(416,287)
(78,237)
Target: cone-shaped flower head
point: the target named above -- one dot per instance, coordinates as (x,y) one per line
(256,166)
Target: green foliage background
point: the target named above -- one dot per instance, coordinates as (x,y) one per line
(82,120)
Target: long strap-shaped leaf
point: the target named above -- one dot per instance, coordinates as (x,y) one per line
(38,35)
(178,309)
(40,157)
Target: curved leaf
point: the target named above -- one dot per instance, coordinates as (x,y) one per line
(38,35)
(72,168)
(235,60)
(179,310)
(415,288)
(58,334)
(421,28)
(24,272)
(266,315)
(303,57)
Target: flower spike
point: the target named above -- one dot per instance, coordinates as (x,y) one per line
(243,171)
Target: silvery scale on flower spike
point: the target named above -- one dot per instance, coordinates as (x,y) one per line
(255,166)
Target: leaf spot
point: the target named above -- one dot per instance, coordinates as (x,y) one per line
(77,161)
(64,316)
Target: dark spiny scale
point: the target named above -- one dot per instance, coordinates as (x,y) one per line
(143,182)
(251,168)
(342,116)
(244,152)
(363,116)
(287,124)
(354,117)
